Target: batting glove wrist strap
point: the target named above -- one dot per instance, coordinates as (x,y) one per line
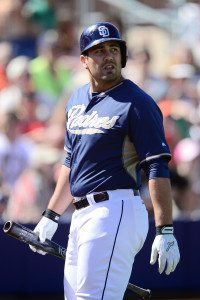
(165,229)
(52,215)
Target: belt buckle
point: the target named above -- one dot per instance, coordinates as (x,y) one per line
(81,202)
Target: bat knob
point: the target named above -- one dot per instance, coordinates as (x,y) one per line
(149,295)
(7,226)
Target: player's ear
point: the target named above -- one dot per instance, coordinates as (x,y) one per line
(84,61)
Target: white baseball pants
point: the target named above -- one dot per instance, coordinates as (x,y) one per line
(103,241)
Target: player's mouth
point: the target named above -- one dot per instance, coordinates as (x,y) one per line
(109,67)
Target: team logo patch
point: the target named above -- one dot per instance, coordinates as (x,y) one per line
(103,31)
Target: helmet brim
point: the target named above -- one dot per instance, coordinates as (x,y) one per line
(100,41)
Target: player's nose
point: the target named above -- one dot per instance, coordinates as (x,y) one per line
(108,56)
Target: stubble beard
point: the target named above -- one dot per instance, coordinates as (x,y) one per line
(110,76)
(105,78)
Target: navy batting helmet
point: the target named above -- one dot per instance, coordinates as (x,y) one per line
(101,32)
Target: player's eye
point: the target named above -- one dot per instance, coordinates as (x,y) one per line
(115,49)
(98,51)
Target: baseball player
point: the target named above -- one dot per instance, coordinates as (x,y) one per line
(113,130)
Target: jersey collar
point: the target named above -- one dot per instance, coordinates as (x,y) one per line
(106,91)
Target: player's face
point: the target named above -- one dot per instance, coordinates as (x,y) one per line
(104,65)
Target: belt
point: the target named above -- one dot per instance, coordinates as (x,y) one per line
(81,202)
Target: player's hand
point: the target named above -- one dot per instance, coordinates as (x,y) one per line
(45,230)
(165,248)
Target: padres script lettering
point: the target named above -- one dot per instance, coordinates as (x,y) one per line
(93,122)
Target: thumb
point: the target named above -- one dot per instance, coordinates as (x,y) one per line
(42,235)
(154,255)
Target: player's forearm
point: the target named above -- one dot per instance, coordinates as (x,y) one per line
(61,197)
(160,192)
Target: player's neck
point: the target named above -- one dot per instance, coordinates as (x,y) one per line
(104,85)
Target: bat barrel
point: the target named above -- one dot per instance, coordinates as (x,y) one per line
(28,236)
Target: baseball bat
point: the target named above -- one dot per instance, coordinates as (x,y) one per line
(27,236)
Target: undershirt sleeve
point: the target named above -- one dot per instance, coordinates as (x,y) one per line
(156,168)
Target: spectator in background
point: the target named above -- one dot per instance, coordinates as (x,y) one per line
(182,82)
(31,115)
(187,161)
(183,54)
(15,149)
(66,28)
(41,14)
(195,117)
(49,73)
(14,25)
(181,193)
(19,83)
(5,57)
(16,28)
(180,103)
(34,186)
(140,72)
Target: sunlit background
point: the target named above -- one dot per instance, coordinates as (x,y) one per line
(39,70)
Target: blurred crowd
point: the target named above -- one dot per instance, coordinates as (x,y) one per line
(39,70)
